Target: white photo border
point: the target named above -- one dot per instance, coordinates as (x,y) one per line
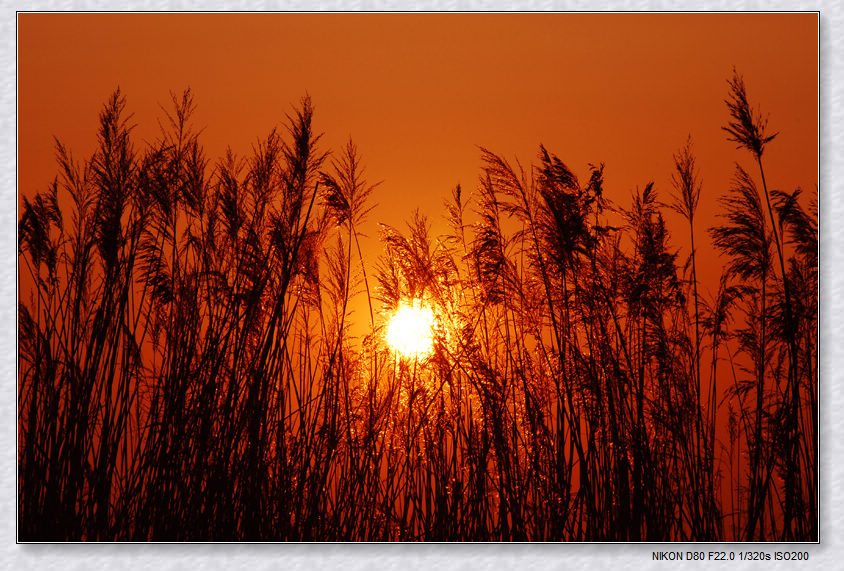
(407,557)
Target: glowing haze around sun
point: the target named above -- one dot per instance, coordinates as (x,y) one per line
(410,332)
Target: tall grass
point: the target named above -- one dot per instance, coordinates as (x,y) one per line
(189,369)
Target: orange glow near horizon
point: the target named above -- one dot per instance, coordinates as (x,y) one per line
(411,330)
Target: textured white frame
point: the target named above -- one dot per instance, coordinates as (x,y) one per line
(405,557)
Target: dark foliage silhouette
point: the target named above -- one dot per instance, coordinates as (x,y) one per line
(190,369)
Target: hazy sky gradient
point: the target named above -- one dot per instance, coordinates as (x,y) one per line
(420,93)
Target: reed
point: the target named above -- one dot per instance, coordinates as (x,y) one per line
(192,367)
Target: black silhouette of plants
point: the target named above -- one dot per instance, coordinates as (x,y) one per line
(192,367)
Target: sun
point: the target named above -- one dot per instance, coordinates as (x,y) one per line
(410,332)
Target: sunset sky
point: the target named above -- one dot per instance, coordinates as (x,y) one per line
(420,93)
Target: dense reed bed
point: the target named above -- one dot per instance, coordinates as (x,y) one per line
(188,370)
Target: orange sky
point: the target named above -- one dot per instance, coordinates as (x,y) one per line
(420,93)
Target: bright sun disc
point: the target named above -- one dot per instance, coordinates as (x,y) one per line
(410,332)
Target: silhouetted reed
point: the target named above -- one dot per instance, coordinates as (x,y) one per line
(189,369)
